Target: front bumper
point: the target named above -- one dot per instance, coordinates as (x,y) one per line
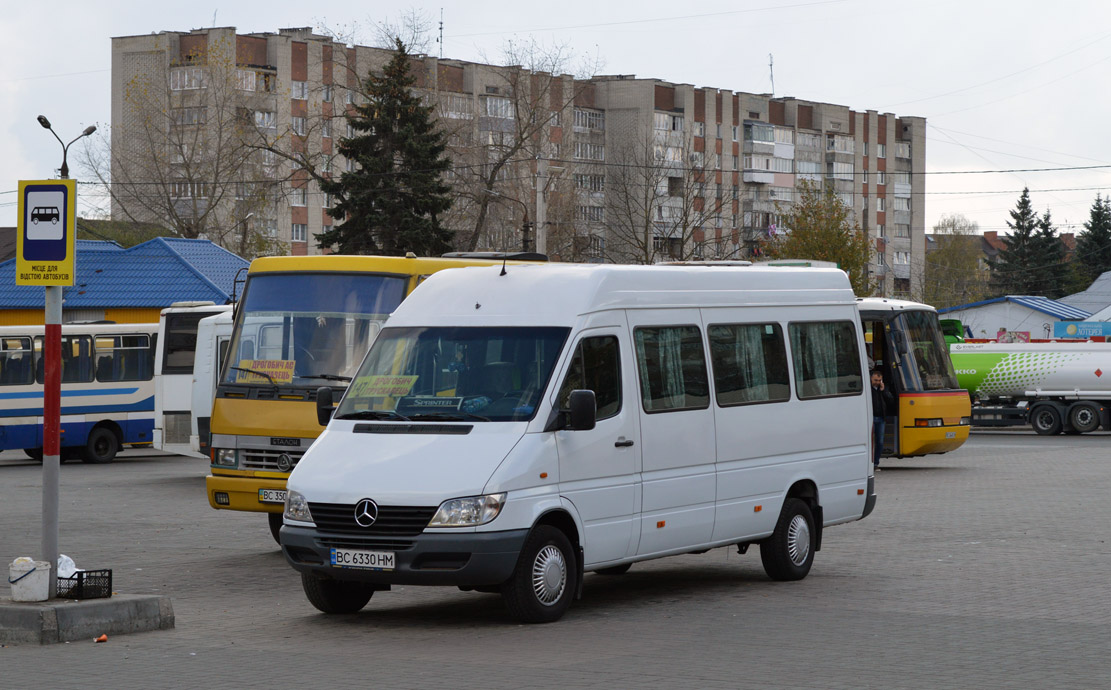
(242,492)
(471,559)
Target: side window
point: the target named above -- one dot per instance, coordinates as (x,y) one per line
(825,359)
(596,367)
(77,359)
(672,368)
(750,364)
(16,362)
(181,342)
(124,358)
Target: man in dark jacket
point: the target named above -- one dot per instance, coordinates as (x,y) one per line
(882,402)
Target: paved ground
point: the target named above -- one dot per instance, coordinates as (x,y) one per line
(987,567)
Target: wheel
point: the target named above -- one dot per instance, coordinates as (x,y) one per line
(789,552)
(543,583)
(1084,417)
(275,520)
(615,570)
(335,596)
(1046,420)
(34,453)
(101,446)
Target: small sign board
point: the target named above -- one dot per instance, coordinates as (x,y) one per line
(1081,329)
(46,240)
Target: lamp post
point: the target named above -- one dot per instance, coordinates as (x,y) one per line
(52,398)
(525,225)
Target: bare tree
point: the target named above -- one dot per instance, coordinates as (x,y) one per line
(179,157)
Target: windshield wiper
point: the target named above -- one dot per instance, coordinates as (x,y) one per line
(256,371)
(453,416)
(326,377)
(373,414)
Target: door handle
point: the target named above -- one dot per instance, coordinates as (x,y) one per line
(622,444)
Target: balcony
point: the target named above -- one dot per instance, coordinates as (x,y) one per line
(759,176)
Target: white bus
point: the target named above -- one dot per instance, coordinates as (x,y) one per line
(213,337)
(107,389)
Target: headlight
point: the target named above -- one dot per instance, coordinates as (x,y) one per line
(468,512)
(224,457)
(296,507)
(927,422)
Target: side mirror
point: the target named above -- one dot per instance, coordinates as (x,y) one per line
(584,410)
(323,405)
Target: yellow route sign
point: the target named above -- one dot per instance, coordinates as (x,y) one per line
(46,240)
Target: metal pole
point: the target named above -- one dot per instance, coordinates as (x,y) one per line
(51,431)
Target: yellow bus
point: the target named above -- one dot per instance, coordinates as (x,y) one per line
(905,343)
(303,322)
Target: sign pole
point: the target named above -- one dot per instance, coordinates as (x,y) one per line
(51,431)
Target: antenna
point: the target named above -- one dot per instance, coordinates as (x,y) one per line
(771,72)
(440,40)
(214,17)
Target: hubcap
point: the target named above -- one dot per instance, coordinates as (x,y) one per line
(549,575)
(798,540)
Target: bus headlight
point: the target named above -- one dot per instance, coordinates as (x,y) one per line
(225,457)
(965,421)
(927,422)
(296,507)
(468,512)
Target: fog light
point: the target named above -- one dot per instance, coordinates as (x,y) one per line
(222,498)
(965,421)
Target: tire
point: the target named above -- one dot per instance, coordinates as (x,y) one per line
(1084,417)
(544,582)
(335,596)
(789,552)
(1046,420)
(34,453)
(101,447)
(615,570)
(275,520)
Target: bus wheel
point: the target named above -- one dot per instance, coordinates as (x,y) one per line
(789,552)
(1046,420)
(543,584)
(335,596)
(101,447)
(34,453)
(275,520)
(1084,417)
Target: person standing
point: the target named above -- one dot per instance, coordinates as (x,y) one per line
(882,401)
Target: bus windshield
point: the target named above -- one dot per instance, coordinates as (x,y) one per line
(454,374)
(926,364)
(308,329)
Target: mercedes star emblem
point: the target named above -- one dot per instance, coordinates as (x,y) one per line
(366,512)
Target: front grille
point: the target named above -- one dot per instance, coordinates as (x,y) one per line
(361,542)
(394,521)
(267,460)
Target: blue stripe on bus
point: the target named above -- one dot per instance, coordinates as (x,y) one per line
(69,393)
(17,436)
(144,405)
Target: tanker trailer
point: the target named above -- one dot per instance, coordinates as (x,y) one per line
(1054,387)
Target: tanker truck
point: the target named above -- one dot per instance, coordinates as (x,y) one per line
(1054,387)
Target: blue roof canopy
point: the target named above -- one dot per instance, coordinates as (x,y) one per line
(1041,304)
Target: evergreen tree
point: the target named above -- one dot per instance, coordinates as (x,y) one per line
(1011,272)
(1093,246)
(1050,273)
(392,202)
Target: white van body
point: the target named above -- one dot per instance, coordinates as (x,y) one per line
(213,336)
(694,472)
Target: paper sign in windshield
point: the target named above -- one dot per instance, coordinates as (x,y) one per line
(279,371)
(382,386)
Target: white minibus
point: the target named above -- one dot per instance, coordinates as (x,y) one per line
(513,428)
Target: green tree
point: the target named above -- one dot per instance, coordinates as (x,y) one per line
(953,274)
(819,226)
(393,199)
(1012,270)
(1093,246)
(1052,274)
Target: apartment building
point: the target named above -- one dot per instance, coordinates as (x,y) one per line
(614,168)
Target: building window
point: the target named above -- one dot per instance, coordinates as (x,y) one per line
(902,178)
(184,189)
(759,133)
(456,106)
(494,106)
(326,229)
(351,167)
(902,258)
(597,246)
(846,198)
(327,201)
(735,132)
(589,120)
(299,90)
(190,116)
(783,165)
(881,150)
(784,135)
(902,230)
(809,140)
(264,119)
(881,177)
(592,214)
(187,78)
(244,80)
(881,204)
(840,144)
(665,122)
(733,159)
(902,149)
(326,93)
(841,171)
(864,149)
(326,165)
(298,196)
(326,128)
(881,231)
(298,125)
(590,183)
(809,170)
(300,232)
(902,203)
(590,152)
(700,129)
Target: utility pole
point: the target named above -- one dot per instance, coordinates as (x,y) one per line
(541,205)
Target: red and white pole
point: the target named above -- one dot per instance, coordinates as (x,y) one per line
(51,431)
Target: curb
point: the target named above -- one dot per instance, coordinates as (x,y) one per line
(60,620)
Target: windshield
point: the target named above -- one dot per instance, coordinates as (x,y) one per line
(308,329)
(926,364)
(454,374)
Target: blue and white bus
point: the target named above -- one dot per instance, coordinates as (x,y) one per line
(107,389)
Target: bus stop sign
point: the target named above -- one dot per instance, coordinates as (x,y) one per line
(46,241)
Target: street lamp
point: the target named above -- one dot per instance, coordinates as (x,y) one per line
(65,147)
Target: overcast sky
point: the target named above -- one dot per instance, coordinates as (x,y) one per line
(1009,85)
